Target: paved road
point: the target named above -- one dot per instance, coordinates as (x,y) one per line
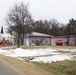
(6,69)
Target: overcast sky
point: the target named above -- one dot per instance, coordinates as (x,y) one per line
(62,10)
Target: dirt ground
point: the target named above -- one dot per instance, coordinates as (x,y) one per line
(24,67)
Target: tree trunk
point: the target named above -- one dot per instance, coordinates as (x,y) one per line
(18,41)
(68,41)
(23,39)
(75,40)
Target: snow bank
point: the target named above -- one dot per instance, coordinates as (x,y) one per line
(28,52)
(70,50)
(50,54)
(53,58)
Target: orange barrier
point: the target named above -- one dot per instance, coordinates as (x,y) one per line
(0,46)
(3,44)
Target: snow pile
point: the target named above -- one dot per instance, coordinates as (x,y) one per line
(54,58)
(2,51)
(47,55)
(27,52)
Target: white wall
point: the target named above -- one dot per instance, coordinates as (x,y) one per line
(26,40)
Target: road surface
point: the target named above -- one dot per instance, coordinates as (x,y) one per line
(6,69)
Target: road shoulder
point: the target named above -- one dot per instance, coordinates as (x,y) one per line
(24,67)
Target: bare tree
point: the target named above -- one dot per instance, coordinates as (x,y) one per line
(19,20)
(72,28)
(54,27)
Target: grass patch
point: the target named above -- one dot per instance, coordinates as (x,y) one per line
(39,47)
(48,46)
(8,48)
(63,47)
(25,47)
(34,47)
(66,67)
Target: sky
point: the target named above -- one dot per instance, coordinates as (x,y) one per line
(61,10)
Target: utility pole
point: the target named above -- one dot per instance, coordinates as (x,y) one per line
(68,35)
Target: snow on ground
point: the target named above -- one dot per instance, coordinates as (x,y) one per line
(28,52)
(70,50)
(47,55)
(54,58)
